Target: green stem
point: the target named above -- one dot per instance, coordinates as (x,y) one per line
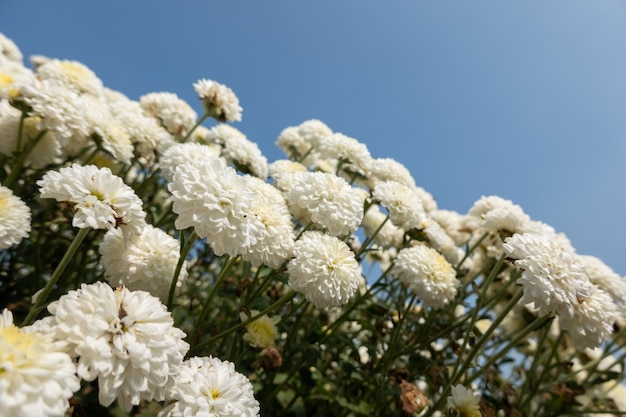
(205,307)
(16,167)
(185,247)
(202,119)
(45,292)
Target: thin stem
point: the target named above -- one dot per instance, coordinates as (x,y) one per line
(205,308)
(185,247)
(202,119)
(45,292)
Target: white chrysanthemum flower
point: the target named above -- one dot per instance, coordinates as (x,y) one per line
(46,151)
(12,77)
(353,154)
(553,279)
(454,223)
(439,240)
(101,200)
(246,156)
(324,269)
(210,197)
(464,402)
(209,387)
(9,50)
(174,114)
(14,219)
(496,213)
(274,245)
(70,74)
(386,236)
(218,100)
(59,109)
(387,169)
(282,171)
(603,276)
(301,141)
(125,339)
(427,274)
(183,153)
(37,378)
(221,133)
(405,207)
(261,333)
(146,261)
(142,128)
(115,139)
(592,322)
(326,200)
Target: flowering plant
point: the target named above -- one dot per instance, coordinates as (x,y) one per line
(154,266)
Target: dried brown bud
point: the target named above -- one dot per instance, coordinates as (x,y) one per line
(412,398)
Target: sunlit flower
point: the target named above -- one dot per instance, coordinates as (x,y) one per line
(218,100)
(261,333)
(427,274)
(174,114)
(210,197)
(125,339)
(300,143)
(274,243)
(496,213)
(386,236)
(605,278)
(352,154)
(464,402)
(101,200)
(245,156)
(405,207)
(387,169)
(553,279)
(37,378)
(281,172)
(9,50)
(146,261)
(70,74)
(208,386)
(14,219)
(114,139)
(324,270)
(326,200)
(182,153)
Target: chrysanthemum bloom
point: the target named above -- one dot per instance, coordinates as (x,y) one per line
(281,172)
(12,76)
(125,339)
(246,156)
(114,138)
(70,74)
(9,50)
(210,197)
(386,236)
(553,279)
(218,100)
(326,200)
(101,200)
(454,223)
(353,154)
(146,261)
(221,133)
(209,387)
(182,153)
(439,240)
(37,378)
(464,402)
(300,143)
(605,278)
(324,270)
(387,169)
(405,207)
(174,114)
(592,322)
(274,243)
(427,274)
(14,219)
(261,333)
(496,213)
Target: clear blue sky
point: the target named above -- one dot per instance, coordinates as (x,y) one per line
(521,99)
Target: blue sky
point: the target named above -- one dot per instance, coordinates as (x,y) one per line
(521,99)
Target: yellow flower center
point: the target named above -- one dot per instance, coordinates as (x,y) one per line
(73,71)
(16,347)
(5,80)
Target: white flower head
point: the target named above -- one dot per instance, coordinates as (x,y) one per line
(182,153)
(218,100)
(9,50)
(125,339)
(387,169)
(464,401)
(207,386)
(274,244)
(405,207)
(174,113)
(261,333)
(146,261)
(300,143)
(496,213)
(326,200)
(553,278)
(210,197)
(70,74)
(245,155)
(324,269)
(428,274)
(386,236)
(605,278)
(14,219)
(354,155)
(282,170)
(37,377)
(101,200)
